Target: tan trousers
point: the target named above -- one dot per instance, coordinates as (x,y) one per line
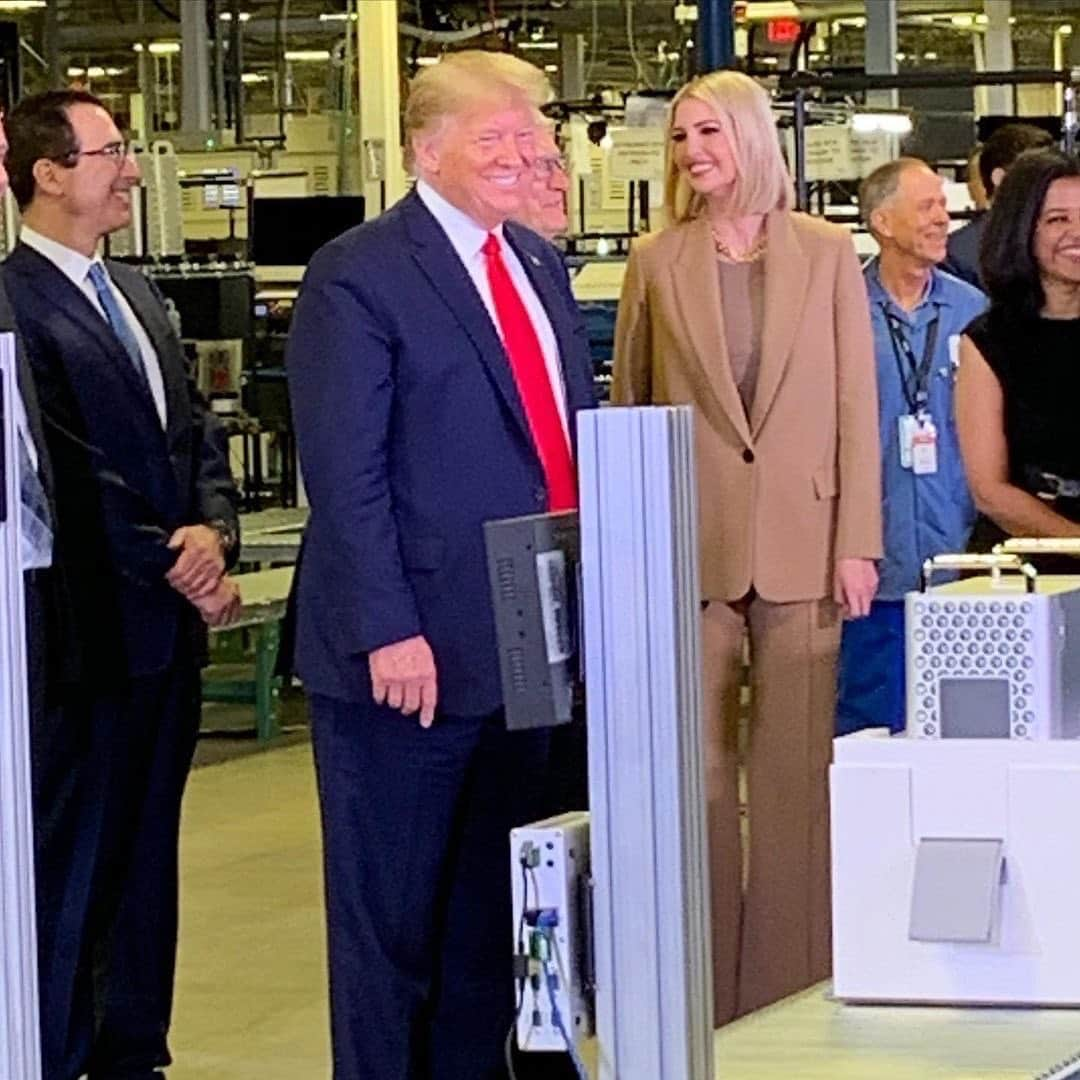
(773,936)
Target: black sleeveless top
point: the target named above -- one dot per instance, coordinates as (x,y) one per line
(1037,363)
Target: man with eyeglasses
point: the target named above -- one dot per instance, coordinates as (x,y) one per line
(544,208)
(145,527)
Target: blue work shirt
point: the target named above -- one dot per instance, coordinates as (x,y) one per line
(930,514)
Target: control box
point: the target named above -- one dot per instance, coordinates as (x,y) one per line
(549,866)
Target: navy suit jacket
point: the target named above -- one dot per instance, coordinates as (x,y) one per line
(411,435)
(962,259)
(121,484)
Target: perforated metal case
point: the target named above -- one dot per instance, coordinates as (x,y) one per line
(987,660)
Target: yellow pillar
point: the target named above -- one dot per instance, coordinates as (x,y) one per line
(379,104)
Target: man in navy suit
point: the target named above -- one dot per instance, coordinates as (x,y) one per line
(436,363)
(145,525)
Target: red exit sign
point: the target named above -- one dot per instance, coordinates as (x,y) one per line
(783,31)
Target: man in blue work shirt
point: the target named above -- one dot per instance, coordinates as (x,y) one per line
(918,312)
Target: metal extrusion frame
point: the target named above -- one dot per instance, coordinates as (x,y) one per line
(20,1054)
(641,598)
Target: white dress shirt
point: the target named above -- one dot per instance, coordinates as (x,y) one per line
(467,239)
(76,267)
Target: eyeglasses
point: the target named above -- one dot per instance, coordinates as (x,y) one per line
(116,152)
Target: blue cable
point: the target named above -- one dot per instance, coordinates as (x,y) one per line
(557,1020)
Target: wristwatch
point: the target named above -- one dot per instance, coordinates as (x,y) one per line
(226,534)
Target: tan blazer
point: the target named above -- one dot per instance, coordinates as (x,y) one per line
(795,485)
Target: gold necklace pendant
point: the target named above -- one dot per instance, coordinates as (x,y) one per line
(750,255)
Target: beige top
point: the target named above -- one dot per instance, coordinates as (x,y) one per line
(742,296)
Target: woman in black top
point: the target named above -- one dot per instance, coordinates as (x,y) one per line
(1018,387)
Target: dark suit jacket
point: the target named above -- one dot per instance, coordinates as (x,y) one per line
(411,435)
(122,485)
(962,257)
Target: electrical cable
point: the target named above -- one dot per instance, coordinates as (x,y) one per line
(508,1053)
(638,66)
(556,1016)
(592,43)
(165,11)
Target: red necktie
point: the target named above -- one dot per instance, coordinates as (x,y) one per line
(534,385)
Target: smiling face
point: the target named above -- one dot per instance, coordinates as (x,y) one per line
(550,183)
(702,151)
(1056,244)
(99,187)
(914,222)
(480,159)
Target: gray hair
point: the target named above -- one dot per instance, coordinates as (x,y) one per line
(881,185)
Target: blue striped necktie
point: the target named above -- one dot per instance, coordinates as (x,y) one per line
(99,279)
(37,533)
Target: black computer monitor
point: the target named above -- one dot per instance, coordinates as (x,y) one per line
(287,231)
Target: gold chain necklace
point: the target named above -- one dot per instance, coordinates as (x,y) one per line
(750,255)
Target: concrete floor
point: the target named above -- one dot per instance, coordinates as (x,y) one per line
(251,984)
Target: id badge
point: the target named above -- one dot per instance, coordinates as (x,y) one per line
(907,426)
(924,449)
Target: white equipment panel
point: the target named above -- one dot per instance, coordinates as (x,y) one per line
(549,864)
(969,930)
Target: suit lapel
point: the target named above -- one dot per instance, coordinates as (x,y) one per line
(72,303)
(438,262)
(152,317)
(787,272)
(696,288)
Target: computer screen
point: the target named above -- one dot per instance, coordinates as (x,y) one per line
(288,231)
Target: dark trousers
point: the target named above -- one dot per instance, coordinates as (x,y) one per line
(416,830)
(109,773)
(872,683)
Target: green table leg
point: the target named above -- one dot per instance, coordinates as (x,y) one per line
(267,684)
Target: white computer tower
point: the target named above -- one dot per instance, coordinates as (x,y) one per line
(986,658)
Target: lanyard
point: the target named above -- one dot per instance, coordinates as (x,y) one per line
(915,381)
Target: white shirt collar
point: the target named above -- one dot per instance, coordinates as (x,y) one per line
(465,235)
(73,264)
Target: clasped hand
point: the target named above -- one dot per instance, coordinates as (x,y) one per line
(199,574)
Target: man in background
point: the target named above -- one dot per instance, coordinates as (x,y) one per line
(995,159)
(146,524)
(544,210)
(917,312)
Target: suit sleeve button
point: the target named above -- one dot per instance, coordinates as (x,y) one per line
(540,495)
(748,455)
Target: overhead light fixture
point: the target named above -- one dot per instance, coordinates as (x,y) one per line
(114,72)
(75,72)
(95,73)
(138,47)
(551,68)
(929,55)
(338,16)
(538,45)
(881,121)
(164,48)
(772,61)
(226,16)
(22,5)
(963,21)
(303,56)
(250,78)
(427,61)
(901,57)
(1065,29)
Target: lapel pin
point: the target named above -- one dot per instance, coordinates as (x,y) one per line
(535,260)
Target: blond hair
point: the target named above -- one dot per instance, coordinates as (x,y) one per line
(461,79)
(744,113)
